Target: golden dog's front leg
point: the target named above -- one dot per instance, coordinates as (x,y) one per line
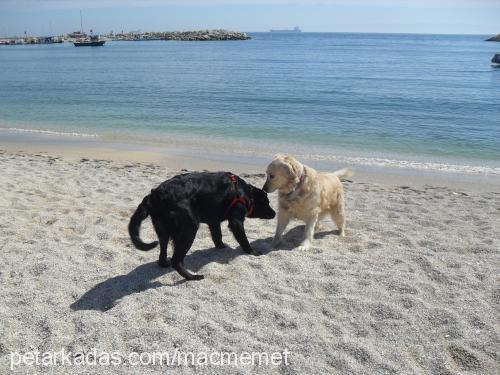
(283,220)
(308,233)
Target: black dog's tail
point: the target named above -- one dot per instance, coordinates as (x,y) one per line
(140,214)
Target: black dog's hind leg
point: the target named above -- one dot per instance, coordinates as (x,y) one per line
(163,259)
(216,234)
(185,232)
(182,244)
(236,226)
(163,236)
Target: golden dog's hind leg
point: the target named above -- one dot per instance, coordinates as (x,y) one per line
(338,215)
(318,225)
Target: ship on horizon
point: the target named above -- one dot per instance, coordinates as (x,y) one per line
(296,29)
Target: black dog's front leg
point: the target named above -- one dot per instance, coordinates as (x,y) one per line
(216,234)
(236,226)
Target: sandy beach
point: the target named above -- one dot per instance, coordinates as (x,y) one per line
(412,289)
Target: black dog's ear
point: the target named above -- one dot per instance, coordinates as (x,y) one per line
(257,192)
(254,189)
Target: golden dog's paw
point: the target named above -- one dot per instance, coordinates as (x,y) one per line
(304,247)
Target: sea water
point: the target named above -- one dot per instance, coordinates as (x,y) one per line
(422,100)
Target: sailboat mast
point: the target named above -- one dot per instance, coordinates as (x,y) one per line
(81,22)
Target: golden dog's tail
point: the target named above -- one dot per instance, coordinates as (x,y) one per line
(346,172)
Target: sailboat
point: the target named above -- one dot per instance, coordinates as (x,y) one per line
(90,41)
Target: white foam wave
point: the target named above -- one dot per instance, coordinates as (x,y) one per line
(50,132)
(427,166)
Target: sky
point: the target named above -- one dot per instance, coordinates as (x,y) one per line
(44,17)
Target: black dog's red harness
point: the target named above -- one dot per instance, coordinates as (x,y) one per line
(239,199)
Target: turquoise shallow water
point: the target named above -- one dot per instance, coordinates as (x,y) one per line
(413,97)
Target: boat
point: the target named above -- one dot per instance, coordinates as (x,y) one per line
(296,29)
(92,41)
(495,61)
(46,40)
(87,41)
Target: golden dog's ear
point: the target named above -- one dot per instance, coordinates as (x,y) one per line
(294,168)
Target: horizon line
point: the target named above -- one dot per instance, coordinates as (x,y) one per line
(269,32)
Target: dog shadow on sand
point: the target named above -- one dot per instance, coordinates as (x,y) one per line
(105,295)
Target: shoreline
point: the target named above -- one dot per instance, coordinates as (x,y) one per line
(193,154)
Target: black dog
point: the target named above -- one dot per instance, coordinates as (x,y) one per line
(179,205)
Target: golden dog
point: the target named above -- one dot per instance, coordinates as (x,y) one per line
(305,194)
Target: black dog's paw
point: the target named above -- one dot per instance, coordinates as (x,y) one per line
(222,246)
(164,263)
(197,277)
(253,252)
